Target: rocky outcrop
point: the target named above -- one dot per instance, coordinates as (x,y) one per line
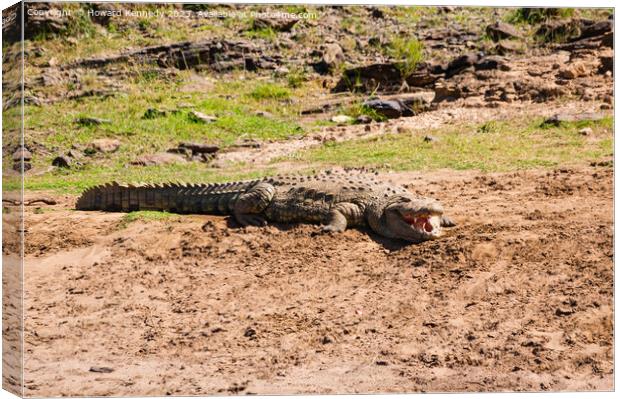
(161,158)
(369,77)
(277,24)
(501,30)
(217,55)
(331,57)
(39,19)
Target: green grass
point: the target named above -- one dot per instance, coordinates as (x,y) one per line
(267,34)
(270,91)
(534,16)
(145,216)
(236,119)
(408,53)
(490,147)
(296,78)
(358,109)
(234,102)
(76,181)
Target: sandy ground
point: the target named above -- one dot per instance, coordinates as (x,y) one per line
(518,297)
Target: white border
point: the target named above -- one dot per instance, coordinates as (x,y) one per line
(499,3)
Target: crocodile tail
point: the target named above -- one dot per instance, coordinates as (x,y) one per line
(214,198)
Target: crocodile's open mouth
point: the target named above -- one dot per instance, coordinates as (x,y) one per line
(427,224)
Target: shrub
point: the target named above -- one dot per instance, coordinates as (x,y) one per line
(534,16)
(296,78)
(408,53)
(359,109)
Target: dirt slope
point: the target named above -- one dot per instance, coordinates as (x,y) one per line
(518,297)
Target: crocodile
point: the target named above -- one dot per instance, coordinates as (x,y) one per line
(334,199)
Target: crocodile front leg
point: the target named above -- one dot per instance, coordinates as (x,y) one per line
(447,222)
(342,215)
(249,205)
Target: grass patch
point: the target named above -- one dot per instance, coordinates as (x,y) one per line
(408,53)
(54,125)
(270,91)
(603,123)
(296,78)
(145,216)
(490,127)
(359,109)
(491,147)
(267,34)
(75,181)
(533,16)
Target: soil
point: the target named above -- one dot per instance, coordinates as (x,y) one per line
(517,297)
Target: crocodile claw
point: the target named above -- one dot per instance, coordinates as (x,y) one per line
(252,220)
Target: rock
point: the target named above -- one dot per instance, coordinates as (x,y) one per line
(281,71)
(199,148)
(502,30)
(607,63)
(88,121)
(333,56)
(363,119)
(22,154)
(509,46)
(586,131)
(548,92)
(446,92)
(161,158)
(249,332)
(446,9)
(44,18)
(277,24)
(97,369)
(248,143)
(492,62)
(341,119)
(17,166)
(564,311)
(264,114)
(591,29)
(460,63)
(200,117)
(607,40)
(425,74)
(369,77)
(74,154)
(153,113)
(62,161)
(219,55)
(389,108)
(105,145)
(573,71)
(376,12)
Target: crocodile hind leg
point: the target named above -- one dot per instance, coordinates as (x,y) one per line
(250,205)
(343,215)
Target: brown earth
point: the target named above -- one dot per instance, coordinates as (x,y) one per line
(518,297)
